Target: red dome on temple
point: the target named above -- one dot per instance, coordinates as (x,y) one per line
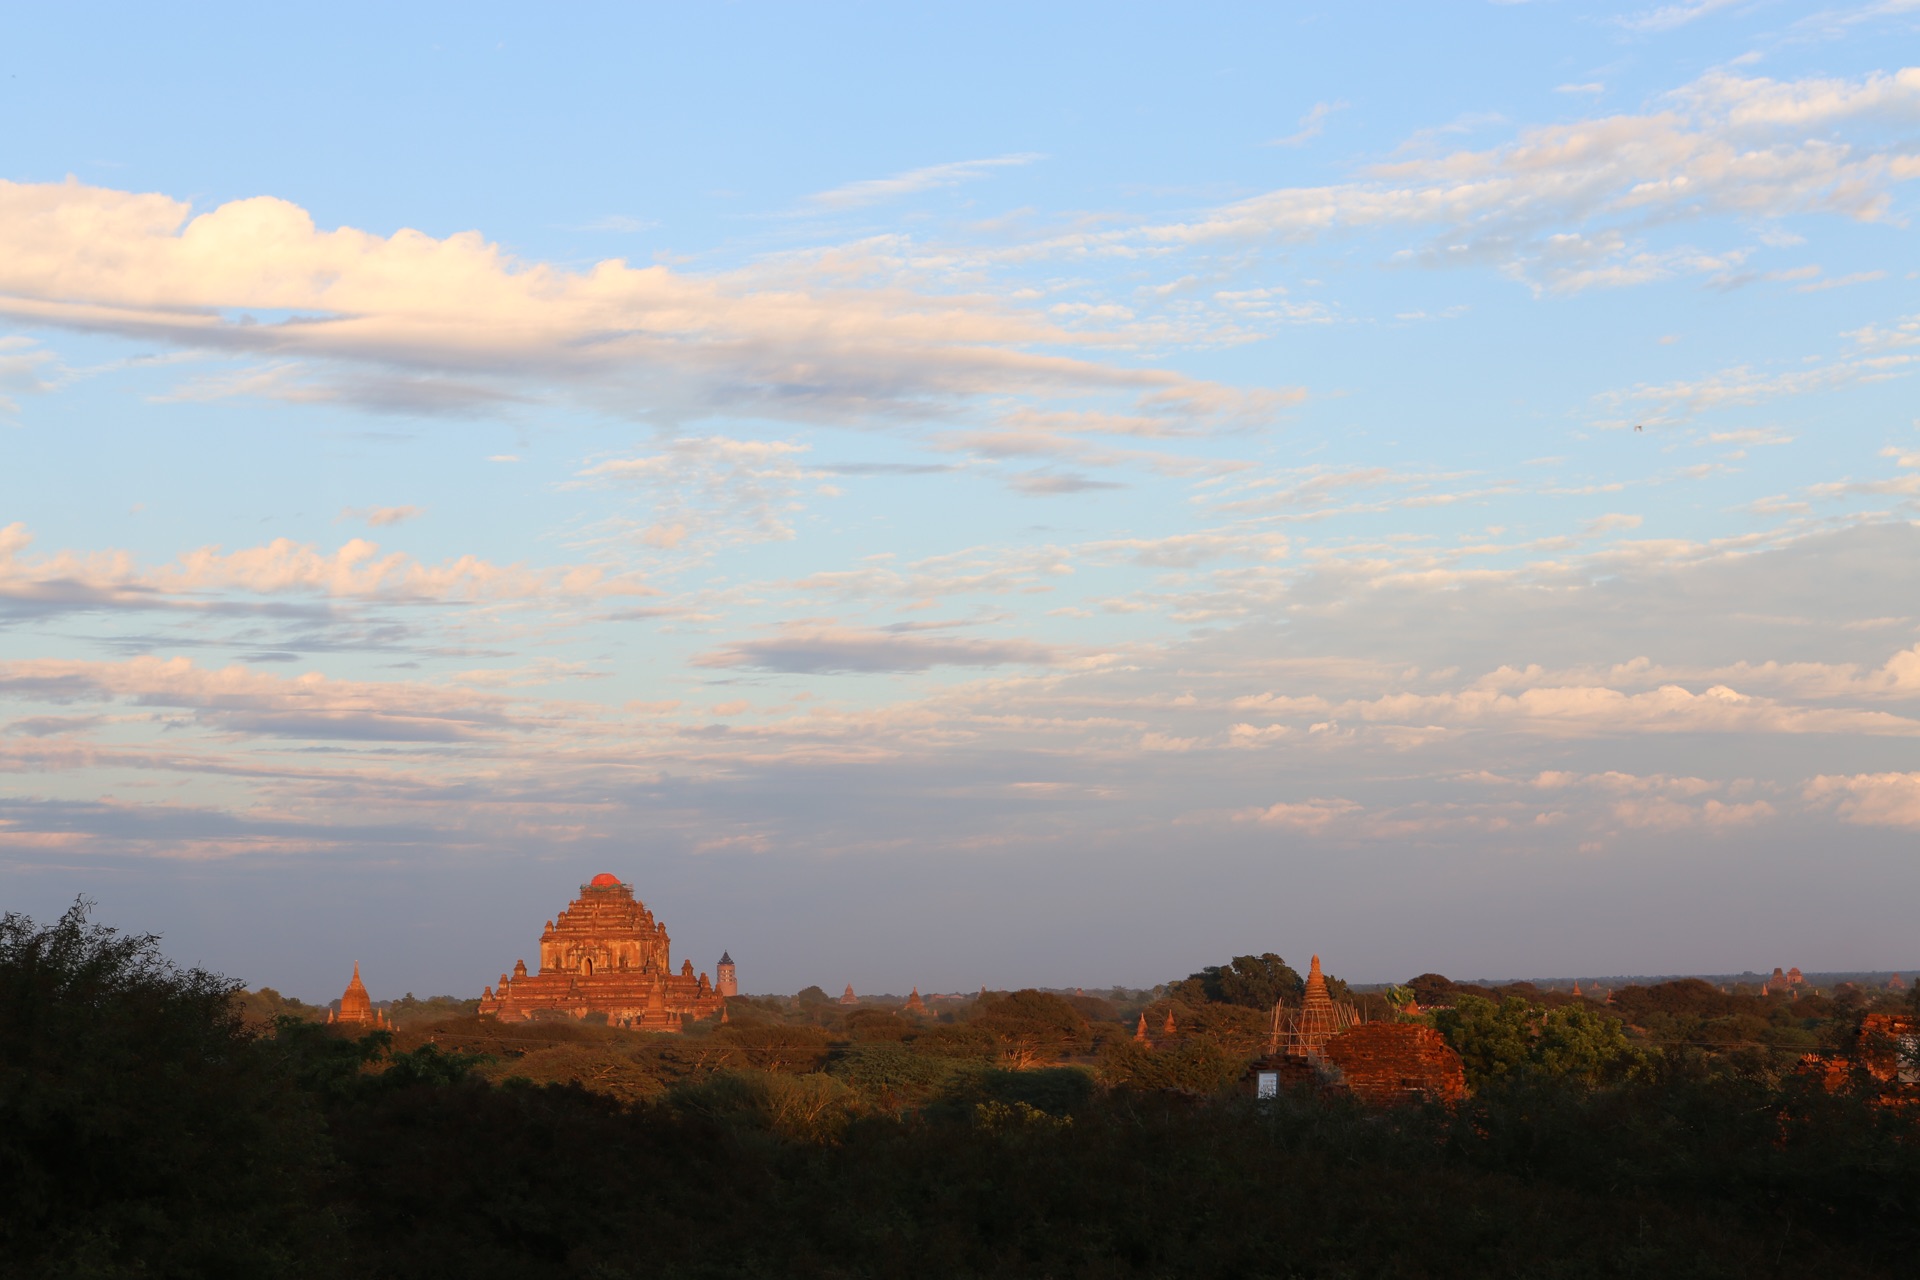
(604,881)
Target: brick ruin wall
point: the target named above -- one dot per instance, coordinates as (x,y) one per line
(1387,1062)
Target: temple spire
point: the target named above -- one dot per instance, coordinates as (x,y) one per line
(1318,1019)
(1316,997)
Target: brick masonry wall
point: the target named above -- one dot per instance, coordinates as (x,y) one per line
(1389,1062)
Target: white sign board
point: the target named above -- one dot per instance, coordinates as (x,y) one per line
(1268,1085)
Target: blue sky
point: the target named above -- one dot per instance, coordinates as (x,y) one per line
(964,495)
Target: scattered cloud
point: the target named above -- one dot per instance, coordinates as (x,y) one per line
(358,569)
(716,488)
(1841,282)
(839,651)
(1311,125)
(1310,816)
(1876,358)
(1673,16)
(1566,207)
(1058,482)
(409,323)
(26,369)
(1870,799)
(856,195)
(379,516)
(238,700)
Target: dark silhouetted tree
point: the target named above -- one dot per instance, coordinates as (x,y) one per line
(144,1130)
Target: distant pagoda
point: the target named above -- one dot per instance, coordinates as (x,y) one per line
(356,1007)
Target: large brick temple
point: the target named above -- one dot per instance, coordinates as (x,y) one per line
(606,954)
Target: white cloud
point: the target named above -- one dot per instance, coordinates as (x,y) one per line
(1672,815)
(356,570)
(379,516)
(247,702)
(1904,333)
(1311,125)
(1669,17)
(1663,802)
(410,323)
(1537,703)
(24,370)
(718,489)
(1842,282)
(1742,385)
(913,181)
(1311,816)
(1561,206)
(1870,799)
(1764,104)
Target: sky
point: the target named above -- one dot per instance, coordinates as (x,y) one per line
(965,495)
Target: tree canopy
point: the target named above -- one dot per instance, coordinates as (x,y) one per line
(1253,982)
(142,1125)
(1515,1040)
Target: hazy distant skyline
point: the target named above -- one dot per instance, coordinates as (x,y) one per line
(966,496)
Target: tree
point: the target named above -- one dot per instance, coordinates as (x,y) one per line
(1514,1040)
(878,1024)
(773,1048)
(143,1127)
(1198,1066)
(1493,1041)
(260,1008)
(1033,1027)
(1583,1046)
(1684,997)
(891,1070)
(1235,1029)
(1253,982)
(410,1010)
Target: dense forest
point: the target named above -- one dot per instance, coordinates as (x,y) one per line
(162,1122)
